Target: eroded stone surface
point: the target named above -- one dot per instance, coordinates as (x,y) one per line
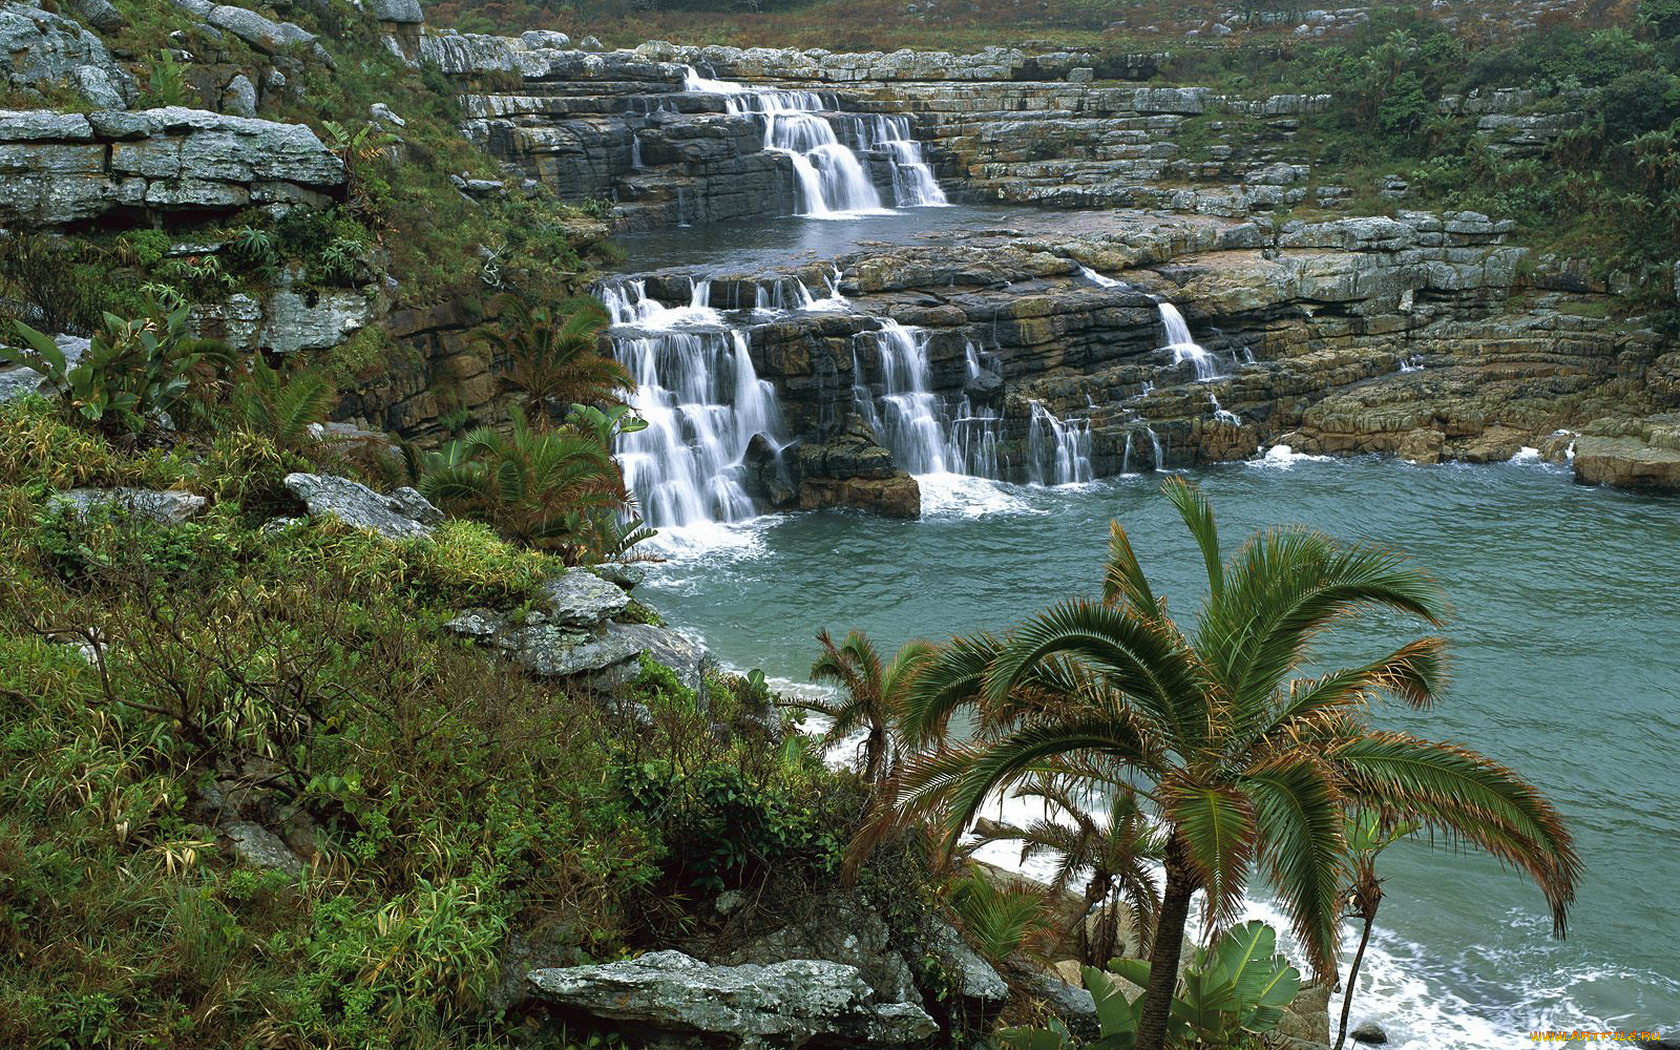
(784,1005)
(394,517)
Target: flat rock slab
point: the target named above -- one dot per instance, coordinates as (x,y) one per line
(164,507)
(784,1005)
(403,515)
(1627,463)
(581,599)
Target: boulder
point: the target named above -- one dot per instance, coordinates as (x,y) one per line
(165,507)
(261,33)
(1370,1032)
(1626,463)
(579,598)
(259,847)
(784,1005)
(980,983)
(676,651)
(100,14)
(395,517)
(1073,1006)
(620,574)
(40,51)
(406,12)
(840,927)
(239,98)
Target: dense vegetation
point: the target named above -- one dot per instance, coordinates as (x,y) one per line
(160,680)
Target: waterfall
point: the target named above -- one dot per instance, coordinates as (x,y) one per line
(912,419)
(912,180)
(703,401)
(832,179)
(925,438)
(1221,415)
(1183,347)
(1108,282)
(636,152)
(1065,447)
(693,81)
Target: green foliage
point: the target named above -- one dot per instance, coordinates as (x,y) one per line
(147,247)
(1662,15)
(1231,992)
(554,489)
(1001,922)
(724,829)
(553,355)
(60,287)
(132,369)
(166,82)
(1238,988)
(281,406)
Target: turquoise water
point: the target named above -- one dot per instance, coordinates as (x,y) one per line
(1566,667)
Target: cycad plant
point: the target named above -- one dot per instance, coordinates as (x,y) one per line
(553,355)
(1247,762)
(533,486)
(281,405)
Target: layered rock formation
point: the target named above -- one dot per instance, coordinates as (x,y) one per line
(1394,336)
(59,169)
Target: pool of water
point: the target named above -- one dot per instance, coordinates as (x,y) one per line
(1565,667)
(749,245)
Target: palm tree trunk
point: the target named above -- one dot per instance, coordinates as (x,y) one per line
(1353,979)
(1163,959)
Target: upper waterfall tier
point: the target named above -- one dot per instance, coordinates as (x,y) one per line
(832,175)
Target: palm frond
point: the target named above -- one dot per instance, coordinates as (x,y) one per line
(1469,797)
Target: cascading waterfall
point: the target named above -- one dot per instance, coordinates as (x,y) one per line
(832,179)
(1222,414)
(927,438)
(1184,347)
(703,402)
(911,417)
(1106,282)
(1067,443)
(912,180)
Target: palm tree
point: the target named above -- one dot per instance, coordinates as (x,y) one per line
(872,697)
(1117,851)
(1244,762)
(1368,834)
(553,355)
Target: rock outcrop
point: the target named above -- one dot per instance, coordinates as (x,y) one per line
(160,506)
(402,515)
(783,1005)
(60,169)
(45,53)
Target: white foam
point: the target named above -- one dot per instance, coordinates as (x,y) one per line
(693,81)
(1526,454)
(1282,457)
(965,496)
